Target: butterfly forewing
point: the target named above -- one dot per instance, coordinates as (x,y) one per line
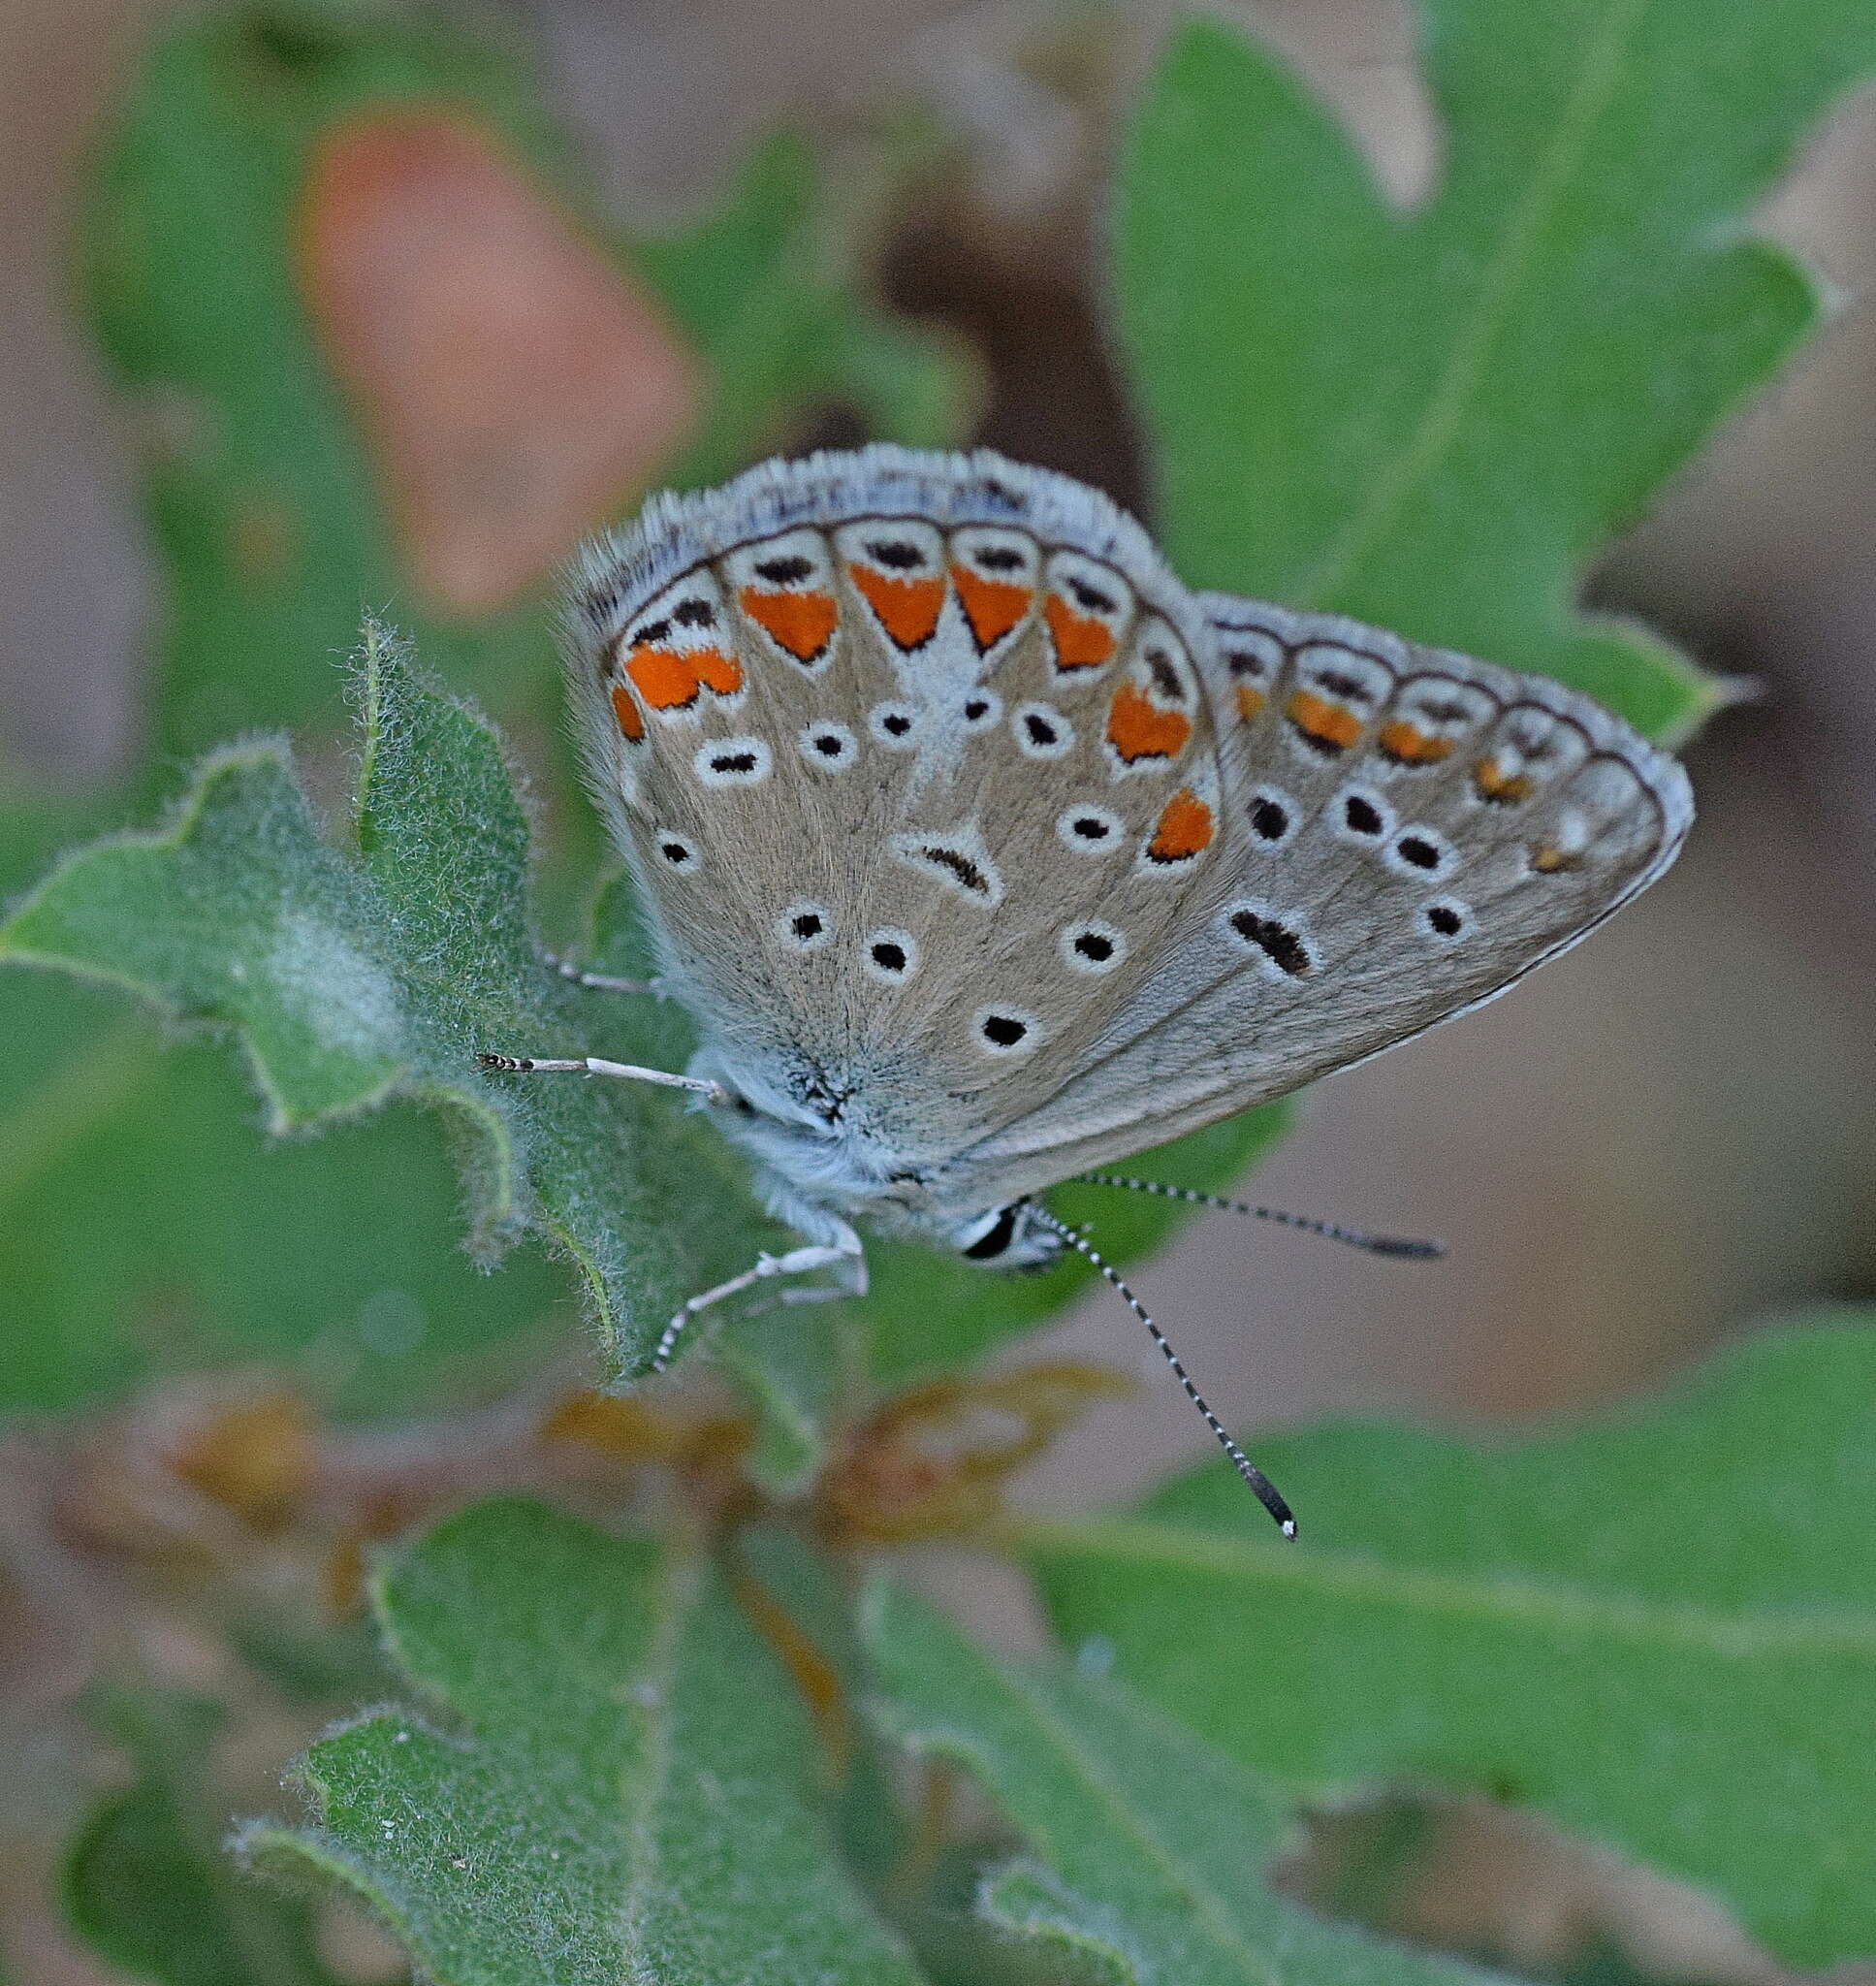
(915,797)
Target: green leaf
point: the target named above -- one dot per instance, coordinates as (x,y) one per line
(626,1786)
(200,1244)
(266,509)
(1657,1626)
(1153,1847)
(351,980)
(1433,419)
(146,1882)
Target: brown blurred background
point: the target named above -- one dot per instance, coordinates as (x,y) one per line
(1663,1138)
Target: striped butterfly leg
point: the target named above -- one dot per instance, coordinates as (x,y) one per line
(600,982)
(843,1250)
(598,1065)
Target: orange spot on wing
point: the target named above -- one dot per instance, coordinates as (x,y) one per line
(992,606)
(1136,729)
(1411,745)
(802,623)
(666,680)
(1081,642)
(1184,829)
(720,672)
(909,609)
(1551,861)
(1494,784)
(630,723)
(1250,700)
(1333,725)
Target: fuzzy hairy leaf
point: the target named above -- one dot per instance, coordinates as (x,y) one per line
(1656,1626)
(611,1779)
(145,1228)
(1433,419)
(351,980)
(146,1882)
(1152,1848)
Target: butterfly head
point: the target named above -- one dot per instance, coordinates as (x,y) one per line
(1012,1236)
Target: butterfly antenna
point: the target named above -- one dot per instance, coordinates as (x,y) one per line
(1261,1487)
(1375,1244)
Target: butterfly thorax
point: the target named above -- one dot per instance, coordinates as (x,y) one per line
(824,1153)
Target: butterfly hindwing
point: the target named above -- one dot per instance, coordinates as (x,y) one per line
(1409,832)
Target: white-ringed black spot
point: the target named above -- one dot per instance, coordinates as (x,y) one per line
(1090,599)
(651,634)
(1277,941)
(980,710)
(1447,921)
(895,553)
(788,571)
(1360,814)
(1164,671)
(997,558)
(891,956)
(830,745)
(1418,852)
(675,850)
(1089,829)
(960,862)
(1006,1030)
(805,927)
(694,614)
(894,726)
(732,761)
(1091,946)
(1272,816)
(1041,731)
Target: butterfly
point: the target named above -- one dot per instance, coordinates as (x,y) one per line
(983,852)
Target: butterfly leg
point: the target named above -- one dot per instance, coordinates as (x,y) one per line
(598,1065)
(843,1248)
(602,983)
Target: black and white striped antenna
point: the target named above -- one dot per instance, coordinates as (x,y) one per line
(1260,1485)
(1399,1245)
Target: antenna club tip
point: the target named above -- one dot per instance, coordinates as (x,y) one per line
(1289,1528)
(1413,1251)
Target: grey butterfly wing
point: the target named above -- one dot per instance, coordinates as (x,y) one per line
(913,763)
(1406,831)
